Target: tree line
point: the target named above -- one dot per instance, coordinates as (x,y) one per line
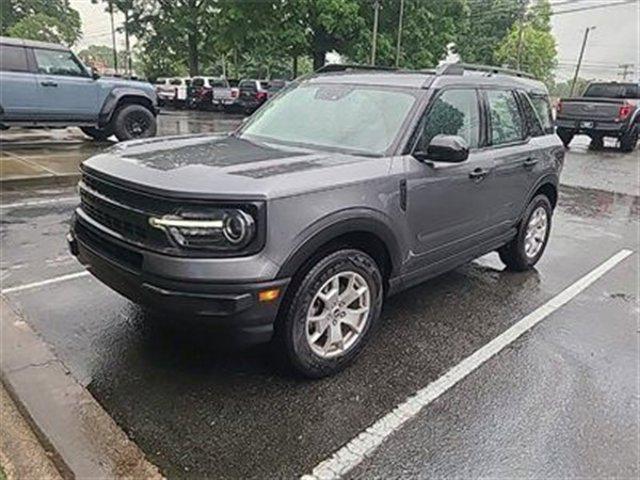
(285,38)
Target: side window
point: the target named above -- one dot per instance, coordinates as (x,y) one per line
(13,59)
(534,123)
(58,62)
(454,112)
(507,124)
(543,109)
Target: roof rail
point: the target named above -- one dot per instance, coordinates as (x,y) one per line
(459,69)
(345,67)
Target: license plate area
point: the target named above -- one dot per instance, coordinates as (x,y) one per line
(586,124)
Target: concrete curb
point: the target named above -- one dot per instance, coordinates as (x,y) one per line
(84,439)
(63,180)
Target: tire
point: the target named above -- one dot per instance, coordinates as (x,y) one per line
(294,335)
(134,121)
(629,140)
(99,134)
(565,135)
(515,254)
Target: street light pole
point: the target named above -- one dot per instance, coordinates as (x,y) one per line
(376,18)
(584,45)
(399,44)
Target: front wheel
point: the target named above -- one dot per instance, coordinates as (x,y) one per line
(329,315)
(524,251)
(134,121)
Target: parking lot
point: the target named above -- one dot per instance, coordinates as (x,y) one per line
(559,401)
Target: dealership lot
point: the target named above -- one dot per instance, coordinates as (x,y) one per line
(561,400)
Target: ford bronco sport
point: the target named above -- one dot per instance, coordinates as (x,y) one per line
(351,185)
(45,85)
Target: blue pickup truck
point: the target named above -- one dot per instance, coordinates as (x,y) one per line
(45,85)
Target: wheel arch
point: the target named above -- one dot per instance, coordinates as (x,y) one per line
(124,96)
(547,186)
(370,235)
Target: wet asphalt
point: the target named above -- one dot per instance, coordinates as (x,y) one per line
(562,401)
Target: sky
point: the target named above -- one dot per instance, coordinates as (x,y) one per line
(615,40)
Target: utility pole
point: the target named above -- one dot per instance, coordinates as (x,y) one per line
(376,18)
(584,45)
(127,45)
(625,70)
(113,38)
(399,44)
(523,12)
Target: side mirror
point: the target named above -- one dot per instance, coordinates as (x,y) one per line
(445,148)
(94,74)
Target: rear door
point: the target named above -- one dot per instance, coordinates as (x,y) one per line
(514,132)
(18,85)
(67,91)
(449,204)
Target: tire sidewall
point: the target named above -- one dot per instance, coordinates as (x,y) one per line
(119,119)
(302,358)
(539,201)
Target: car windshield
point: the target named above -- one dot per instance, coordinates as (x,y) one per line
(348,117)
(612,90)
(198,82)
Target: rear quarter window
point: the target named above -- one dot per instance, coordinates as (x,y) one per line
(542,107)
(13,59)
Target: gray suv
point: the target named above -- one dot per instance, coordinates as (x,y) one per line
(350,186)
(45,85)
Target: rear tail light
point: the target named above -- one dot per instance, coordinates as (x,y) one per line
(559,106)
(234,92)
(624,112)
(261,96)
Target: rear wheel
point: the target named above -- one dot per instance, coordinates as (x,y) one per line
(99,134)
(565,135)
(524,251)
(329,315)
(629,140)
(134,121)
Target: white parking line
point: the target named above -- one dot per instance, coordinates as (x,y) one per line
(42,283)
(33,203)
(363,445)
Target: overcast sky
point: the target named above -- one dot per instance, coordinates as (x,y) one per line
(615,41)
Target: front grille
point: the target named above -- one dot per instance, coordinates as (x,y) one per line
(103,246)
(92,207)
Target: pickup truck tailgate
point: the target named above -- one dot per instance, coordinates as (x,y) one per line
(590,109)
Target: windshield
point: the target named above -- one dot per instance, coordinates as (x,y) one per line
(612,90)
(351,117)
(198,82)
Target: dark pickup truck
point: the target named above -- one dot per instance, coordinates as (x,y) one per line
(605,110)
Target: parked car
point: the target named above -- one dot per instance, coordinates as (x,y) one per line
(223,95)
(45,85)
(351,186)
(606,109)
(275,86)
(164,91)
(252,94)
(181,88)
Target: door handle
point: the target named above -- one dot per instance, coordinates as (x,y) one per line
(530,162)
(478,174)
(48,83)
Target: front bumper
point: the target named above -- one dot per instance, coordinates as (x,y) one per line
(121,266)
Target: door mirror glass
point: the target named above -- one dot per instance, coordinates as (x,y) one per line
(94,73)
(445,148)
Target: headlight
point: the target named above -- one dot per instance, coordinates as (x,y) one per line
(223,229)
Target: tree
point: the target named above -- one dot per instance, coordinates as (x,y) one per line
(530,45)
(100,54)
(488,23)
(47,20)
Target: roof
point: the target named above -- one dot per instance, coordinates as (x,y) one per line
(471,76)
(31,43)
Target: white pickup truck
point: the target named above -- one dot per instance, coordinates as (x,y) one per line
(223,95)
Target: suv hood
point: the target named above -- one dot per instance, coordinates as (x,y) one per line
(123,82)
(227,167)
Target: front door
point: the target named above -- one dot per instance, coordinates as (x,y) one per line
(448,206)
(67,91)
